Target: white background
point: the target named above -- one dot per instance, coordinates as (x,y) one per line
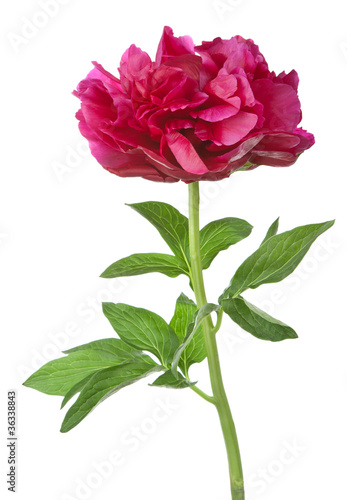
(59,232)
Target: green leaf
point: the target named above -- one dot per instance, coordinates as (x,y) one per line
(143,263)
(184,314)
(257,322)
(171,224)
(57,377)
(120,350)
(272,230)
(75,389)
(275,259)
(219,235)
(102,385)
(95,370)
(201,314)
(168,379)
(142,329)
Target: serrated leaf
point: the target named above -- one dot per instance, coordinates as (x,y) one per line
(102,385)
(184,314)
(168,379)
(201,314)
(273,229)
(142,329)
(171,224)
(275,259)
(57,377)
(220,235)
(257,322)
(143,263)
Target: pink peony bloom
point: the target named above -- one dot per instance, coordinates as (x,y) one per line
(195,113)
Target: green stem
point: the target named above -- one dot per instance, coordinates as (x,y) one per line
(203,394)
(219,396)
(218,322)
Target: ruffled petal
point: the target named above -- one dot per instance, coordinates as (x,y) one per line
(223,86)
(218,113)
(185,153)
(189,63)
(191,117)
(171,46)
(281,105)
(229,131)
(134,70)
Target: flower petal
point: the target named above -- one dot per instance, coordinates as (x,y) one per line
(189,63)
(229,131)
(217,113)
(134,69)
(102,74)
(281,105)
(171,46)
(291,79)
(223,86)
(273,158)
(185,153)
(306,140)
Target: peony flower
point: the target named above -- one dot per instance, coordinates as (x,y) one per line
(195,113)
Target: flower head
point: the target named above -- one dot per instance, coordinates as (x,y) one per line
(195,113)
